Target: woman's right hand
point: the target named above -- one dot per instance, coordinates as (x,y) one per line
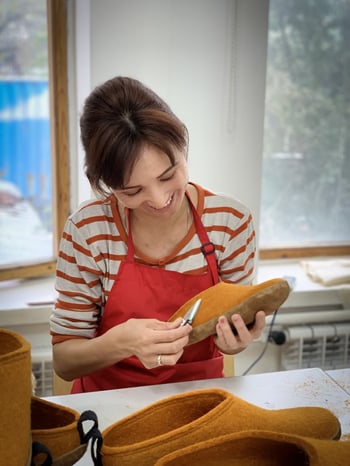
(152,341)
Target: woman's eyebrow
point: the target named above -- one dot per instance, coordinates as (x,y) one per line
(124,188)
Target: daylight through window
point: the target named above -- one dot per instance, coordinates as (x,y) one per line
(26,219)
(306,165)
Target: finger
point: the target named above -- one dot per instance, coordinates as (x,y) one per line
(173,347)
(170,354)
(176,323)
(161,325)
(260,319)
(178,334)
(167,359)
(225,336)
(259,324)
(243,332)
(156,324)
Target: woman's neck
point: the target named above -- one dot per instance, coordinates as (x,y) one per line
(157,238)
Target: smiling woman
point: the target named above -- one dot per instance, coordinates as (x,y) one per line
(33,118)
(150,241)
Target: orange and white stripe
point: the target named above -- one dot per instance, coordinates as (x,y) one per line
(93,246)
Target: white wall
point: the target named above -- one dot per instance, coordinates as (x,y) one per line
(207,59)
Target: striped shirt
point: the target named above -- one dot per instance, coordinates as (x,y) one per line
(94,243)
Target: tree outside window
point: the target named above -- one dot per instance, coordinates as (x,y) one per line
(33,118)
(306,166)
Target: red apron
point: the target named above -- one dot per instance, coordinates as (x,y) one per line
(141,291)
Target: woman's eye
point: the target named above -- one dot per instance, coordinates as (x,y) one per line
(128,193)
(168,178)
(131,194)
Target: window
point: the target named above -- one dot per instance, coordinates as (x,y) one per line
(305,206)
(34,187)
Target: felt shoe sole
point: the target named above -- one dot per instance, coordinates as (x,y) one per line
(228,299)
(259,448)
(188,418)
(15,396)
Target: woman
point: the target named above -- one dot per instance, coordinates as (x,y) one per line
(151,241)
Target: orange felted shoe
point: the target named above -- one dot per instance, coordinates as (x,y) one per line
(228,299)
(15,396)
(58,431)
(188,418)
(259,448)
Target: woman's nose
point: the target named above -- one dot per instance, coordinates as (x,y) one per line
(157,198)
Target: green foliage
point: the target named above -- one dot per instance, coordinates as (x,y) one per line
(306,187)
(23,38)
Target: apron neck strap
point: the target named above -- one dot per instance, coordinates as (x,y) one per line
(207,248)
(130,244)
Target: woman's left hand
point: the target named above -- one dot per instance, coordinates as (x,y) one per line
(229,343)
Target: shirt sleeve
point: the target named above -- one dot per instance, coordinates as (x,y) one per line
(231,228)
(237,262)
(78,284)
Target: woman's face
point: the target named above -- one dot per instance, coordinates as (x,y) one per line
(155,187)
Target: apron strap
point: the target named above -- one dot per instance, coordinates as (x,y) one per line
(207,247)
(130,258)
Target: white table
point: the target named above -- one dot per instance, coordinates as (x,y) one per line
(342,377)
(306,387)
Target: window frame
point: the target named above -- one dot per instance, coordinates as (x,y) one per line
(59,125)
(299,253)
(58,83)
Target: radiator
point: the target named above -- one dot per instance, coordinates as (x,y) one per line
(300,335)
(43,372)
(316,345)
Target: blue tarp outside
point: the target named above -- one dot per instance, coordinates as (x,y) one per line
(25,150)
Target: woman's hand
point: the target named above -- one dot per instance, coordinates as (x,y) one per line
(229,343)
(154,342)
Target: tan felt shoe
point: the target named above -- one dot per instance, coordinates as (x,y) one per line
(259,448)
(59,429)
(228,299)
(15,396)
(188,418)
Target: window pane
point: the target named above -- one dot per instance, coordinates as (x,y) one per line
(306,166)
(25,151)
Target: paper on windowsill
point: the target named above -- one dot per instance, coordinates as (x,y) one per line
(328,272)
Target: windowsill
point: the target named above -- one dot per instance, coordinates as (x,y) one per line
(306,291)
(39,293)
(26,294)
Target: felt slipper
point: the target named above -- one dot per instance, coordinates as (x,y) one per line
(228,299)
(15,396)
(191,417)
(58,434)
(259,448)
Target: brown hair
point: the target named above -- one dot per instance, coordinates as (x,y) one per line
(119,118)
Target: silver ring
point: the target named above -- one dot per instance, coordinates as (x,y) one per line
(159,360)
